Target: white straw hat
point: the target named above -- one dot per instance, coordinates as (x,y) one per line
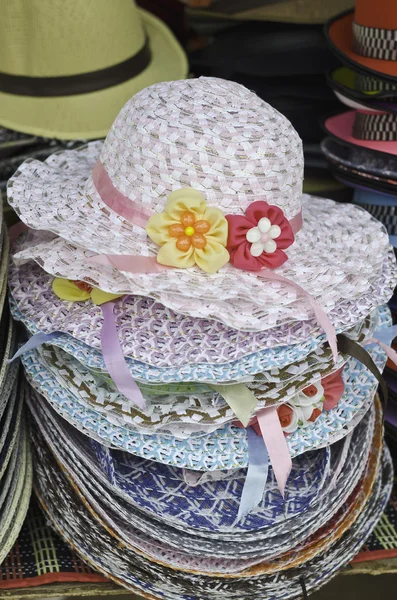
(210,154)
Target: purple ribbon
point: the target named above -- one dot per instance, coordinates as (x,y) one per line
(34,342)
(114,358)
(258,468)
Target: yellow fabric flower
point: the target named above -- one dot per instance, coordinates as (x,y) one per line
(190,232)
(79,291)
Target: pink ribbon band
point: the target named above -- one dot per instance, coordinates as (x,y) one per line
(128,263)
(132,211)
(114,358)
(276,445)
(115,200)
(296,222)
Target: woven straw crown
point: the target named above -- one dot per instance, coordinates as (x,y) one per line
(208,134)
(48,38)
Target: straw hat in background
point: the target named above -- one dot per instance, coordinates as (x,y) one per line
(67,68)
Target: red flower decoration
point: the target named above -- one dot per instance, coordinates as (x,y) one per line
(333,391)
(257,240)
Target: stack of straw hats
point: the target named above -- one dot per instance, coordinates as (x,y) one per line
(203,364)
(361,146)
(15,459)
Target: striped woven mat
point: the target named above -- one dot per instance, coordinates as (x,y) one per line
(383,542)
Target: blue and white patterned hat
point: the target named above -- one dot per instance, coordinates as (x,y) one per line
(212,552)
(225,448)
(160,496)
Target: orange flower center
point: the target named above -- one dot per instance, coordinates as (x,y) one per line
(83,286)
(189,232)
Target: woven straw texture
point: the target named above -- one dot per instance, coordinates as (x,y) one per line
(180,414)
(71,518)
(10,425)
(64,41)
(293,360)
(40,557)
(189,552)
(61,259)
(10,471)
(242,305)
(158,552)
(7,348)
(16,504)
(161,491)
(4,255)
(156,336)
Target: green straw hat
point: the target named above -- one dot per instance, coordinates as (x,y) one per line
(67,68)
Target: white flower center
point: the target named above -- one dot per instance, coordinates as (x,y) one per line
(262,237)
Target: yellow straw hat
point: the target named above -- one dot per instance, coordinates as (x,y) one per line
(66,68)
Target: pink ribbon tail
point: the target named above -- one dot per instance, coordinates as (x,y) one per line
(128,263)
(320,314)
(115,200)
(390,352)
(276,445)
(114,358)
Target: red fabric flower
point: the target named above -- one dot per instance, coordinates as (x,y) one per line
(257,240)
(333,391)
